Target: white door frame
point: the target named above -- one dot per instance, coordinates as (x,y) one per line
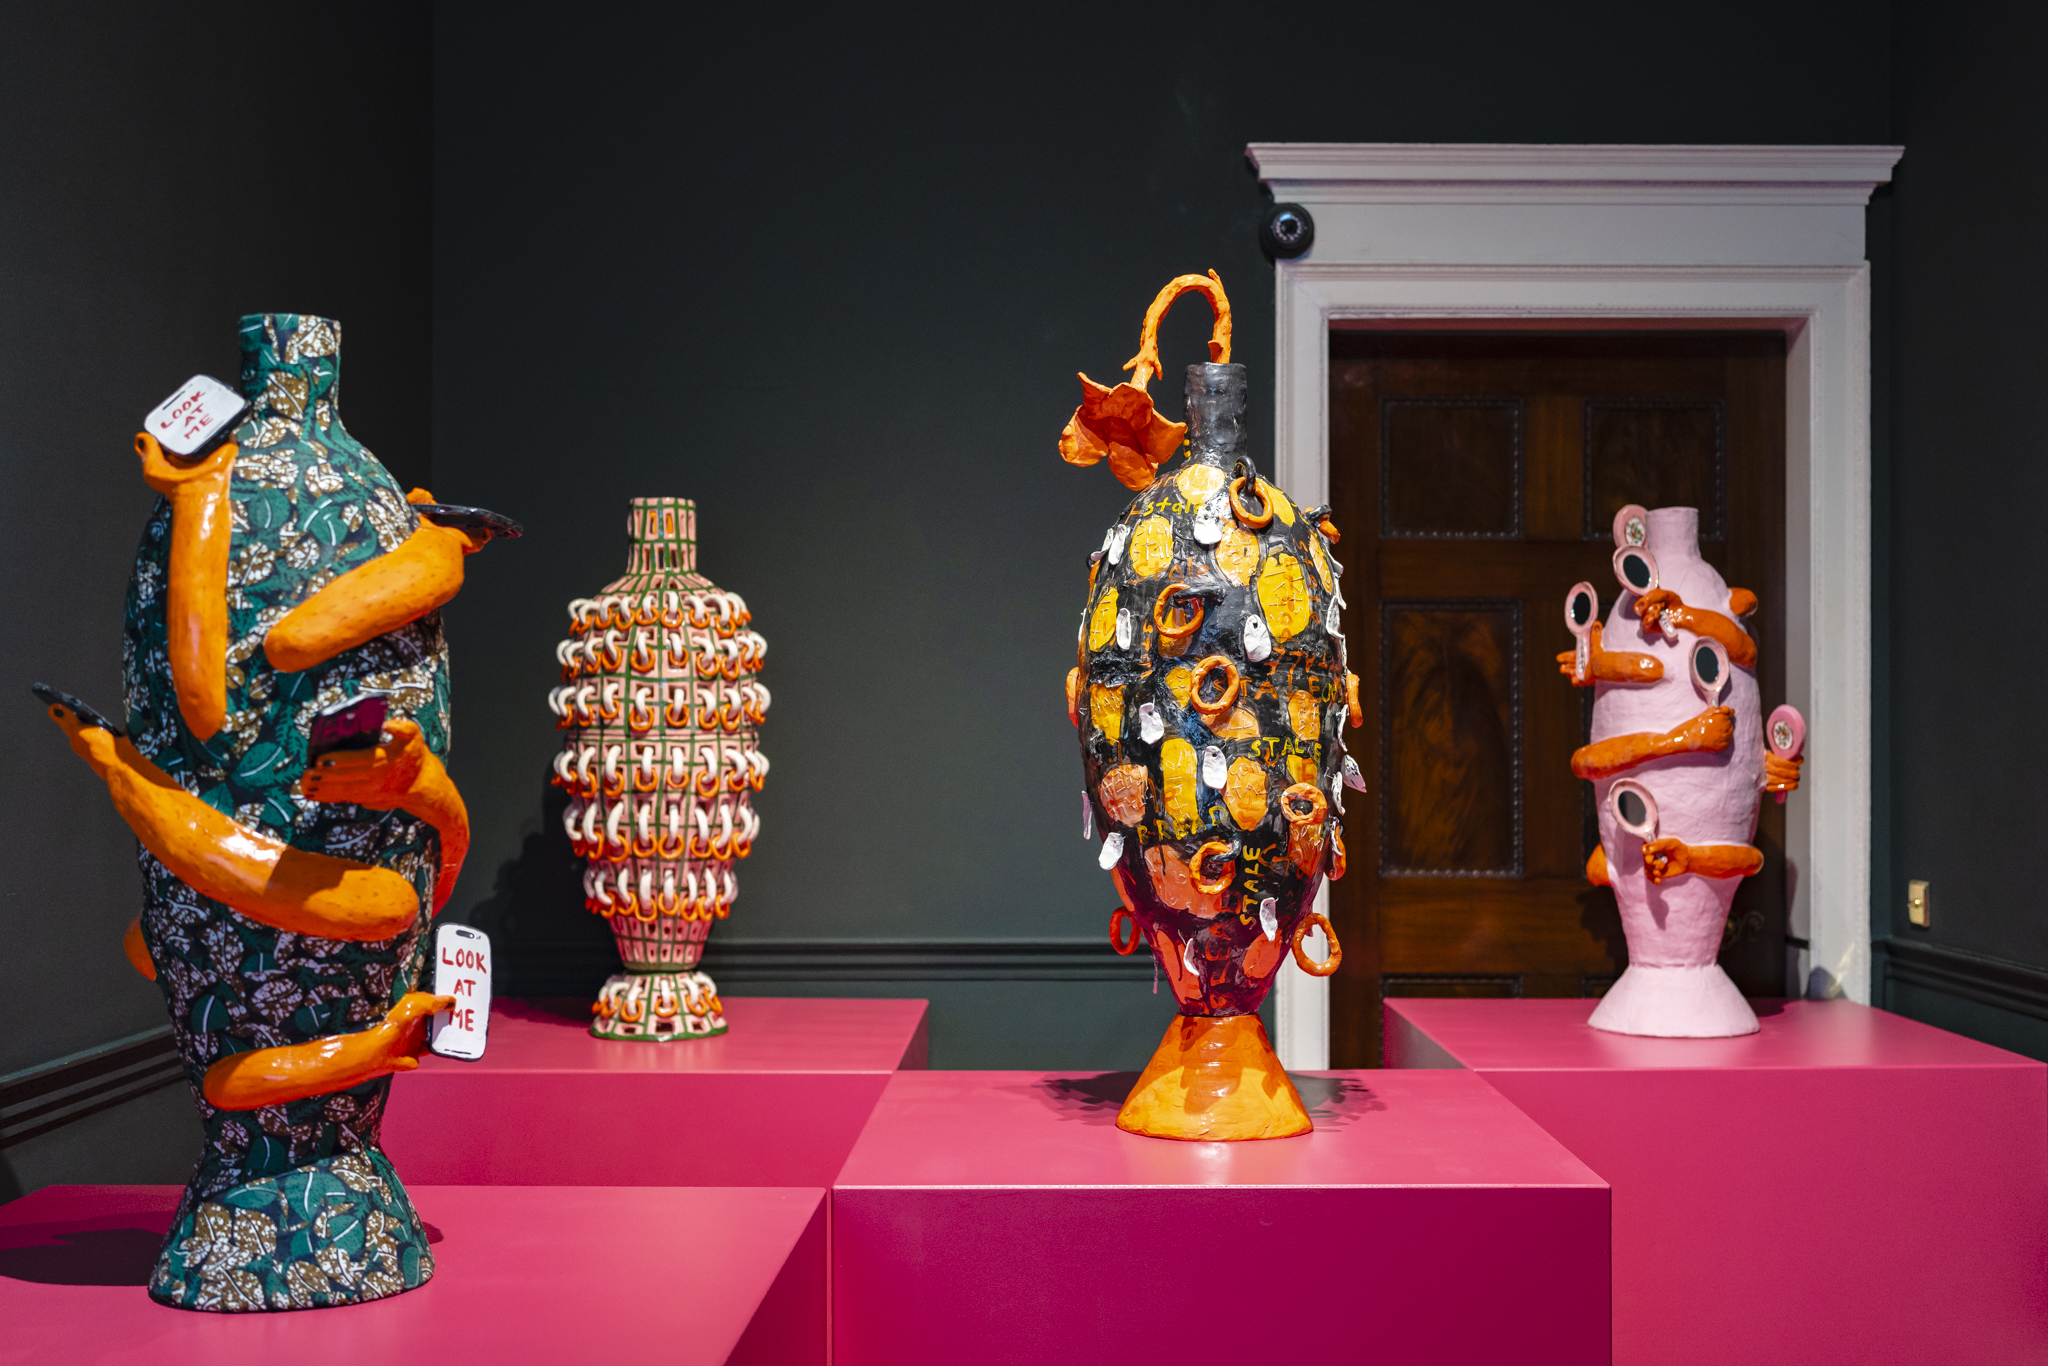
(1618,237)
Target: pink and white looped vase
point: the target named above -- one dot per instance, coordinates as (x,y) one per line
(1673,986)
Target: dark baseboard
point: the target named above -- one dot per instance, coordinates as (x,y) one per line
(1992,982)
(38,1099)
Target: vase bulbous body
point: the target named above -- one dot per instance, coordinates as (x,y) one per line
(1673,985)
(292,1205)
(660,704)
(1211,698)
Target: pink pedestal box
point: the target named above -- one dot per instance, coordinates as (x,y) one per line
(776,1102)
(1003,1217)
(1846,1185)
(534,1274)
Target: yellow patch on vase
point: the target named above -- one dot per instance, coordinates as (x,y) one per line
(1106,707)
(1102,625)
(1239,725)
(1322,559)
(1304,716)
(1198,483)
(1245,792)
(1151,547)
(1277,501)
(1302,769)
(1237,555)
(1283,593)
(1177,778)
(1178,681)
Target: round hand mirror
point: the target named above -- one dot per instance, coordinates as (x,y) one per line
(1581,610)
(1710,669)
(1636,568)
(1631,526)
(1785,732)
(1635,810)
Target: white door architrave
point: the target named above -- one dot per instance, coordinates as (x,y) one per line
(1502,236)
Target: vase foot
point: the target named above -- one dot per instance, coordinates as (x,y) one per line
(657,1007)
(1214,1078)
(1675,1003)
(339,1230)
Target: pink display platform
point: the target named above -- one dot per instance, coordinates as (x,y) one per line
(778,1101)
(1845,1186)
(1003,1217)
(534,1274)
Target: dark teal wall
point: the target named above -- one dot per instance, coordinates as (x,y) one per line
(833,279)
(1967,736)
(163,170)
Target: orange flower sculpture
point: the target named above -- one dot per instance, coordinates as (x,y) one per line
(1120,422)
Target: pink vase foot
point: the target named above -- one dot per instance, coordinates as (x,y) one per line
(1675,1003)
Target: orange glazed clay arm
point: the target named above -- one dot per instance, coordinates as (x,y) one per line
(1700,621)
(371,599)
(273,1076)
(263,878)
(1610,666)
(1671,858)
(1596,868)
(1712,729)
(402,773)
(196,607)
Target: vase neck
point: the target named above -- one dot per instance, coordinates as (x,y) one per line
(1674,534)
(664,535)
(291,369)
(1215,413)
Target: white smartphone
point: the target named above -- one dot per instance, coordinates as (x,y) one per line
(462,969)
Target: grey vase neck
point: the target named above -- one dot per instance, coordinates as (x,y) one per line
(1216,402)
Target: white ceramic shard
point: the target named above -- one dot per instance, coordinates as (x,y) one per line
(1124,628)
(1269,918)
(1112,850)
(1087,818)
(1258,641)
(1150,728)
(1215,768)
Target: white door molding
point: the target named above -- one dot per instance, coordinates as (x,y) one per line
(1492,237)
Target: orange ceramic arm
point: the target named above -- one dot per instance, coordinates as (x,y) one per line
(273,1076)
(1711,729)
(1671,858)
(1610,666)
(263,878)
(196,610)
(372,598)
(1700,621)
(1596,868)
(402,773)
(1146,362)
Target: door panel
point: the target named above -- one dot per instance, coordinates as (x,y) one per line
(1475,478)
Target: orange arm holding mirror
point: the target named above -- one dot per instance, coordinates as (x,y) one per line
(399,773)
(373,598)
(1673,857)
(1712,729)
(275,1076)
(196,605)
(1701,621)
(217,856)
(1609,666)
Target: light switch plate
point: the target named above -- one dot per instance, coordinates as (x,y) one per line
(1916,903)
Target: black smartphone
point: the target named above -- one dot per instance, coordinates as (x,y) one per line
(356,723)
(469,519)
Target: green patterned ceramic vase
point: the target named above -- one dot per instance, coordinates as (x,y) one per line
(292,1205)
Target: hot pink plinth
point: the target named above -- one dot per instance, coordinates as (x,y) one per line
(1845,1185)
(1003,1217)
(776,1102)
(536,1274)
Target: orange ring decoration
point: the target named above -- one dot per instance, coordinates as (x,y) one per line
(1351,699)
(1174,634)
(1222,706)
(1137,933)
(1265,517)
(1328,965)
(1304,792)
(1202,855)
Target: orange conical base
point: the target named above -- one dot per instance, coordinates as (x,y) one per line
(1214,1078)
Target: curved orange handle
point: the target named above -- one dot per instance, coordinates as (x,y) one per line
(196,600)
(1146,363)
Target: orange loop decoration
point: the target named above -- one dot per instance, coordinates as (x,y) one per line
(1312,813)
(1176,630)
(1116,941)
(1212,849)
(1233,683)
(1264,516)
(1302,960)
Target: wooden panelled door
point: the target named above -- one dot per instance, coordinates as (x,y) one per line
(1474,478)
